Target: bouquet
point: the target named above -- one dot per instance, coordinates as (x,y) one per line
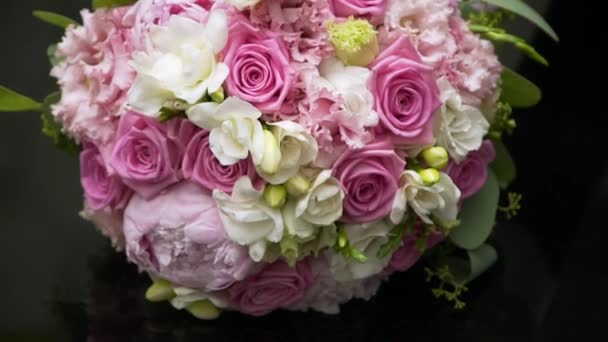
(256,155)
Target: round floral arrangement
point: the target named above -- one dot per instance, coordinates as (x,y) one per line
(256,155)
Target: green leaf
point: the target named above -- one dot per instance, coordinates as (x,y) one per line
(55,19)
(503,166)
(465,268)
(52,128)
(518,91)
(111,3)
(51,52)
(501,36)
(524,10)
(477,216)
(11,101)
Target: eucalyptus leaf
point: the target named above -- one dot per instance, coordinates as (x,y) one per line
(477,216)
(518,91)
(52,128)
(503,166)
(524,10)
(55,19)
(467,266)
(11,101)
(111,3)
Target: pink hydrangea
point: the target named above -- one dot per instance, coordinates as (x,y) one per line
(179,236)
(95,76)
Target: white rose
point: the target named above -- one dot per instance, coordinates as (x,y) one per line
(367,238)
(440,200)
(459,128)
(182,64)
(297,146)
(243,4)
(322,205)
(247,219)
(235,129)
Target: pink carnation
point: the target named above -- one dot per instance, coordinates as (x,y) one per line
(277,286)
(94,77)
(179,236)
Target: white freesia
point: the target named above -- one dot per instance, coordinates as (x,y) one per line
(367,238)
(459,128)
(235,129)
(185,296)
(247,219)
(357,110)
(440,200)
(243,4)
(322,205)
(182,63)
(297,146)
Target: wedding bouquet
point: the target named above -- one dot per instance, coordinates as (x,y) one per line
(256,155)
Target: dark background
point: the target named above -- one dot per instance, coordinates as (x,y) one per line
(59,280)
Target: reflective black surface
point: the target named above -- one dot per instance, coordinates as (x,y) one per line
(60,282)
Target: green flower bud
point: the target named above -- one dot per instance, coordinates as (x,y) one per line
(275,195)
(430,177)
(297,185)
(436,157)
(218,96)
(203,309)
(161,290)
(355,41)
(290,249)
(272,154)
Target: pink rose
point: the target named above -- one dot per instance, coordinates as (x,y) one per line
(276,286)
(100,189)
(409,253)
(202,167)
(370,178)
(259,67)
(405,93)
(372,9)
(179,236)
(147,154)
(472,173)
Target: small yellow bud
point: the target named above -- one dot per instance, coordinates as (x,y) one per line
(160,291)
(272,154)
(203,309)
(297,185)
(218,96)
(430,177)
(436,157)
(355,41)
(275,195)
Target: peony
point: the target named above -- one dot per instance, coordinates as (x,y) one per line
(276,286)
(248,219)
(182,65)
(459,128)
(260,72)
(202,167)
(147,156)
(405,93)
(298,148)
(471,174)
(370,178)
(372,9)
(235,129)
(439,201)
(179,236)
(368,238)
(100,189)
(94,76)
(322,205)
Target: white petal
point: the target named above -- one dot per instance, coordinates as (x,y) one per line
(147,97)
(219,75)
(235,107)
(217,30)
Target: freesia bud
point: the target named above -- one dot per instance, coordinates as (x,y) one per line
(297,185)
(275,195)
(203,309)
(272,154)
(218,96)
(430,177)
(159,291)
(355,41)
(436,157)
